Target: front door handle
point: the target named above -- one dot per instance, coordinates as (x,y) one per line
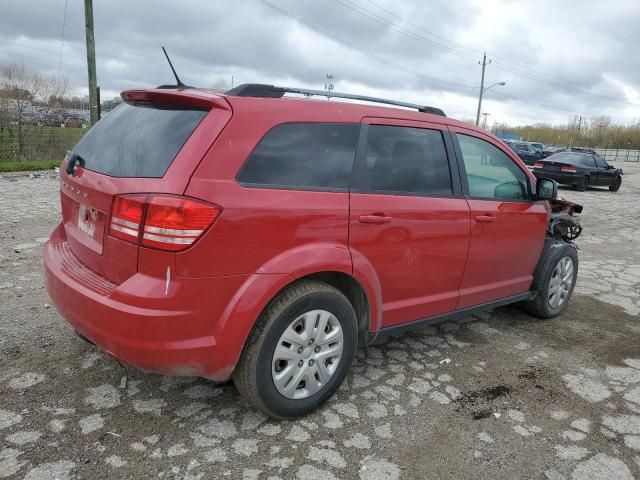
(485,218)
(376,218)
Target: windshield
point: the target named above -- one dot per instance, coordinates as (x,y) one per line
(137,141)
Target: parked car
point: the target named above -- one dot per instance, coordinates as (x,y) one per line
(242,235)
(548,151)
(52,119)
(29,117)
(538,146)
(73,121)
(580,170)
(526,152)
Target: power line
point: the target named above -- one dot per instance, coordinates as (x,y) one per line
(22,45)
(382,21)
(523,73)
(505,65)
(64,24)
(535,103)
(41,59)
(418,27)
(350,46)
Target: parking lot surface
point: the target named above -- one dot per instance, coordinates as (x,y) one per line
(495,395)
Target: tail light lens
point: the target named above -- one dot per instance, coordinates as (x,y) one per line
(174,223)
(126,217)
(165,222)
(538,165)
(568,169)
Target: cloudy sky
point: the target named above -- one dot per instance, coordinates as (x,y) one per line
(559,58)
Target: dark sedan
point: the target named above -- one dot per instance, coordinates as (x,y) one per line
(526,152)
(580,170)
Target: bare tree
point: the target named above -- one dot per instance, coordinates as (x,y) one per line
(221,84)
(21,87)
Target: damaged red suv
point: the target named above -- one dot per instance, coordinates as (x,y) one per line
(262,237)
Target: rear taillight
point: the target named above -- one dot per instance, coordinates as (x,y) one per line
(165,222)
(568,169)
(538,165)
(126,217)
(174,223)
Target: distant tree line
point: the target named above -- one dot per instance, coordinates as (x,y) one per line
(595,132)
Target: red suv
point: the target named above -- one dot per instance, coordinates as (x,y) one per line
(259,237)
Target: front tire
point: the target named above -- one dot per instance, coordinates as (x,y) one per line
(300,351)
(554,280)
(615,186)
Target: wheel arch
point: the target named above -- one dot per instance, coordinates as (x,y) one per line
(355,293)
(331,264)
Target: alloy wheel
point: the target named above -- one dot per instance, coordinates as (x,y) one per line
(560,283)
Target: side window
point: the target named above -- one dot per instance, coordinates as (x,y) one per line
(303,155)
(403,160)
(590,161)
(490,172)
(600,161)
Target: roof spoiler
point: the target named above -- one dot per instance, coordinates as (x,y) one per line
(270,91)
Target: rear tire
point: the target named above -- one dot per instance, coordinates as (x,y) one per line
(584,185)
(615,186)
(290,341)
(554,280)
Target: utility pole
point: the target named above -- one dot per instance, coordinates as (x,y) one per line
(484,64)
(91,62)
(484,121)
(328,86)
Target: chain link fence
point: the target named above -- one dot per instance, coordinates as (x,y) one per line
(619,154)
(32,142)
(37,141)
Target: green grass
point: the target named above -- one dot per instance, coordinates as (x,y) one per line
(28,165)
(37,142)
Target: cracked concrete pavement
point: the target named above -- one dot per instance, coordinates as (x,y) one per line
(496,395)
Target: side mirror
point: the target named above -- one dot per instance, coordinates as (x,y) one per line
(546,189)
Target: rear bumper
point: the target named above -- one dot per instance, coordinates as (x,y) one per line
(165,328)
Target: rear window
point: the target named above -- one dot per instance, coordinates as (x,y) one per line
(303,155)
(571,158)
(137,141)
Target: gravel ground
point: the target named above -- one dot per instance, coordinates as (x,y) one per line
(497,395)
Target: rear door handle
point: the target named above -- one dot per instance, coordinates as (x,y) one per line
(375,218)
(485,218)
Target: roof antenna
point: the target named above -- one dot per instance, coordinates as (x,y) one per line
(178,81)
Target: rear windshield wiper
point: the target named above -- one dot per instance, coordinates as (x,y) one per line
(71,163)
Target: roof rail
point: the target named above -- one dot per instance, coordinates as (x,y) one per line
(271,91)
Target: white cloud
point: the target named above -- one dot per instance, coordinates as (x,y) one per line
(556,59)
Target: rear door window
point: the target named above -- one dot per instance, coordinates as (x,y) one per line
(137,141)
(403,160)
(314,156)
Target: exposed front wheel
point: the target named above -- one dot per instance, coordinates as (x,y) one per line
(554,280)
(299,352)
(615,186)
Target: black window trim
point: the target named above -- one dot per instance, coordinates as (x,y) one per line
(449,149)
(272,186)
(463,171)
